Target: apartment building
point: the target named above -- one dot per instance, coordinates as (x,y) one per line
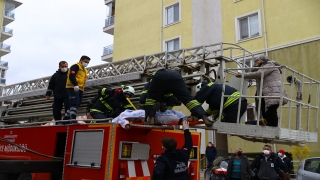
(7,16)
(286,31)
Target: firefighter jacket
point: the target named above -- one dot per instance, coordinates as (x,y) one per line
(211,93)
(173,164)
(110,103)
(57,85)
(77,76)
(168,98)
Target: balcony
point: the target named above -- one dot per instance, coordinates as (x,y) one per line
(2,81)
(6,33)
(107,53)
(4,49)
(108,1)
(3,64)
(109,25)
(8,17)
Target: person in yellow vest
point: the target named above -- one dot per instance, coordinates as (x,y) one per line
(76,81)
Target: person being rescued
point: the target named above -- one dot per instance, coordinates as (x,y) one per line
(110,102)
(165,117)
(211,93)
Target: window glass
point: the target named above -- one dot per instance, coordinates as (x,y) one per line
(244,32)
(173,45)
(312,165)
(254,25)
(172,14)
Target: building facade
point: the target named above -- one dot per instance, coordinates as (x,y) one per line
(286,31)
(7,16)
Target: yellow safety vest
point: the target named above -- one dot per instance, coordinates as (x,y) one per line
(81,77)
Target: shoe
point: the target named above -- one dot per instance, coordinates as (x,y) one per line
(149,121)
(206,120)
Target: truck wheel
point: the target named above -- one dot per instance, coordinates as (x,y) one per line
(3,177)
(25,176)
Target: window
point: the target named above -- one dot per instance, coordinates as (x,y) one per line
(312,165)
(87,148)
(172,14)
(173,44)
(248,26)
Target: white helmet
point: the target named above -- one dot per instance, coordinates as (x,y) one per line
(129,90)
(198,87)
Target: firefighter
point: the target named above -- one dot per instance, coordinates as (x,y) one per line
(166,81)
(76,81)
(57,85)
(211,93)
(173,163)
(112,102)
(166,103)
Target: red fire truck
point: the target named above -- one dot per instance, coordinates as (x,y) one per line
(86,152)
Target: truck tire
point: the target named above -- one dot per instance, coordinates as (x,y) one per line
(25,176)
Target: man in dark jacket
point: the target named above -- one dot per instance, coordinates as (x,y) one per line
(239,167)
(172,164)
(111,102)
(211,153)
(268,165)
(211,93)
(286,161)
(167,101)
(57,86)
(166,81)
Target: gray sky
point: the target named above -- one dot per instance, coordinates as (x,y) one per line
(46,32)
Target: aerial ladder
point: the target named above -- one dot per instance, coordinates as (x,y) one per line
(298,120)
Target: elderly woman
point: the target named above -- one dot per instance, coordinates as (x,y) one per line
(271,87)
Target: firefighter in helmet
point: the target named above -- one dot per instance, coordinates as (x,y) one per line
(111,102)
(166,81)
(211,93)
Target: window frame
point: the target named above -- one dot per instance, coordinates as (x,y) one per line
(237,26)
(171,39)
(165,24)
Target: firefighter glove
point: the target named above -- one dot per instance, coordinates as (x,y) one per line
(76,88)
(149,113)
(117,91)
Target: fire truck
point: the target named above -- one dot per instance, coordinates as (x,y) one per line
(93,151)
(106,151)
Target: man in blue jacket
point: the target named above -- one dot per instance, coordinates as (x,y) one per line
(172,164)
(57,86)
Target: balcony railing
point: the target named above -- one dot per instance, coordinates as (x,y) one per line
(4,46)
(9,14)
(109,21)
(7,30)
(108,50)
(2,81)
(3,63)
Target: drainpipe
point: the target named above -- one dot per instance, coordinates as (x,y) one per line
(161,24)
(265,29)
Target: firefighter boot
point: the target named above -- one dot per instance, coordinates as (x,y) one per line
(206,120)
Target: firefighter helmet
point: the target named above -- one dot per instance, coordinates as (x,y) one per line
(198,87)
(129,90)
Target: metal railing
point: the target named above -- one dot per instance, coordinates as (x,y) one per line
(5,46)
(109,21)
(108,50)
(7,30)
(9,14)
(4,63)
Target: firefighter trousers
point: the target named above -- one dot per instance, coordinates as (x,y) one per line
(75,99)
(169,81)
(57,107)
(230,113)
